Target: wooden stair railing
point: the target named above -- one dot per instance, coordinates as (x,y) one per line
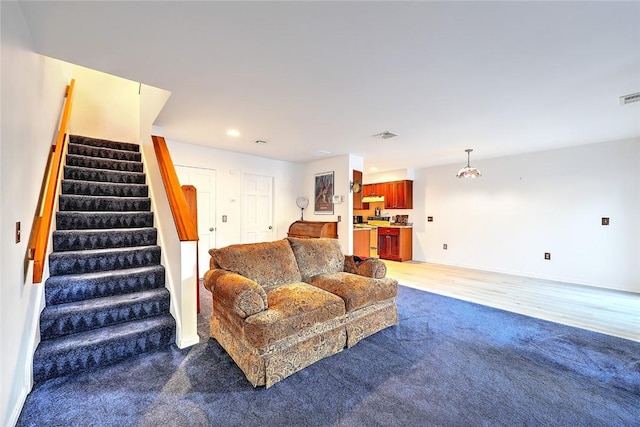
(39,237)
(187,230)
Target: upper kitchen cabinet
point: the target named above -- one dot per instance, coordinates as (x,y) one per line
(373,190)
(398,195)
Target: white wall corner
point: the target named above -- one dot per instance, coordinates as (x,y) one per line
(187,335)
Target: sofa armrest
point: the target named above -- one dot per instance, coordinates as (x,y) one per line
(368,267)
(241,295)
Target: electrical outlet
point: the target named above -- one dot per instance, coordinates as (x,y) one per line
(339,218)
(547,255)
(444,246)
(18,232)
(429,219)
(605,221)
(224,218)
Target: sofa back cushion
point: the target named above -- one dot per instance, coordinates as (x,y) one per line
(268,263)
(317,256)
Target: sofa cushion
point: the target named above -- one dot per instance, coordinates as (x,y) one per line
(267,263)
(293,308)
(356,291)
(317,256)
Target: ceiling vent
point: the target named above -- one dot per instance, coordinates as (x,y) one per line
(628,99)
(384,135)
(320,153)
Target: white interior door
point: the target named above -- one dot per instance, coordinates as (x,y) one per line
(205,182)
(257,221)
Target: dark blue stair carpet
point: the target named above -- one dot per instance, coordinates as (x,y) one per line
(100,347)
(96,142)
(105,153)
(79,262)
(90,188)
(103,175)
(101,220)
(80,316)
(71,202)
(105,296)
(70,240)
(78,287)
(98,163)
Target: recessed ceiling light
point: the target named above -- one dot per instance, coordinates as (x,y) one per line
(233,132)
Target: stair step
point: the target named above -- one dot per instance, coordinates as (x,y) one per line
(75,220)
(79,240)
(103,175)
(102,152)
(107,164)
(100,347)
(92,188)
(79,287)
(71,202)
(80,316)
(97,142)
(80,262)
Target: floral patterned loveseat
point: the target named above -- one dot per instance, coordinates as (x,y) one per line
(280,306)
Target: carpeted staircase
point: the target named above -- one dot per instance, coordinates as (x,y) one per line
(105,297)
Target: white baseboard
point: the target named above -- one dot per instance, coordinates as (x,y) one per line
(187,342)
(12,418)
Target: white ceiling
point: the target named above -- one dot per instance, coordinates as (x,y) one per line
(499,77)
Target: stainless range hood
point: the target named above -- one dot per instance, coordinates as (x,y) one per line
(370,199)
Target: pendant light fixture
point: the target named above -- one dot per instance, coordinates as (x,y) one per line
(468,171)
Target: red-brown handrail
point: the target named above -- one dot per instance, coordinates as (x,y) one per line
(42,222)
(187,230)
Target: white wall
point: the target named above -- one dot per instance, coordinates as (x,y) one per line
(526,205)
(32,98)
(105,106)
(230,168)
(179,258)
(342,166)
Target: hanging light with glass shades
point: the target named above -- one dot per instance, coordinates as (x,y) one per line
(468,171)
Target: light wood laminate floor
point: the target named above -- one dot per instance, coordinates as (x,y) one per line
(602,310)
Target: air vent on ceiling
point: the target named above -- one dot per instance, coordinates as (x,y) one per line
(320,153)
(628,99)
(384,135)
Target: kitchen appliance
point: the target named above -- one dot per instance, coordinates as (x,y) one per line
(379,220)
(377,212)
(402,219)
(357,219)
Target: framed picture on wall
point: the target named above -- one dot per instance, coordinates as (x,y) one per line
(323,203)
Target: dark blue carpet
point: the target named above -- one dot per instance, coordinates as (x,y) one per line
(448,363)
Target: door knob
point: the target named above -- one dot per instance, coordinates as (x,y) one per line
(211,229)
(270,228)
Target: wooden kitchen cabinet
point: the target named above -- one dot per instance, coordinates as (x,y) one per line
(369,190)
(395,243)
(398,195)
(361,242)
